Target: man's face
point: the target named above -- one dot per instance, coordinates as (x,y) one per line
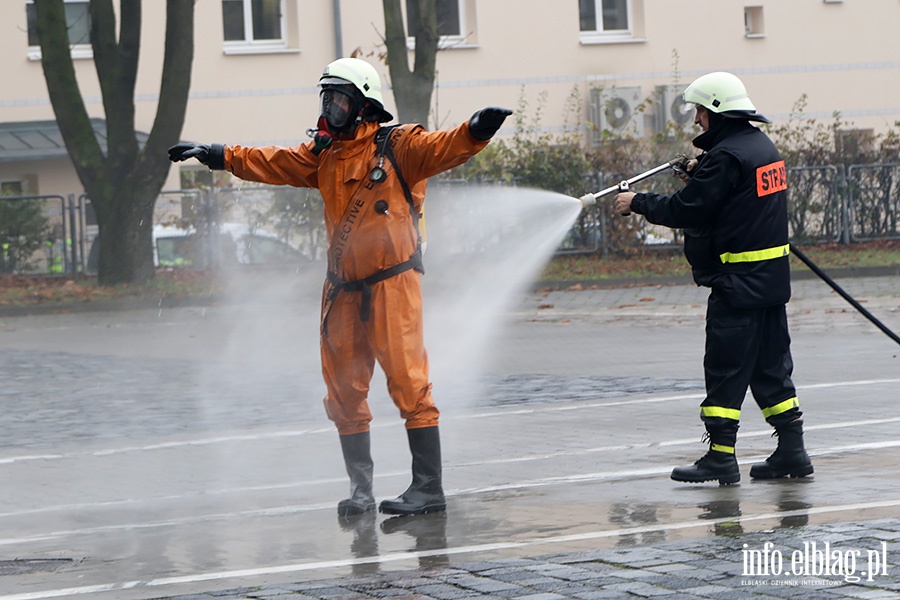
(701,118)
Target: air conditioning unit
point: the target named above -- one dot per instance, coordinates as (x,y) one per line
(672,109)
(615,110)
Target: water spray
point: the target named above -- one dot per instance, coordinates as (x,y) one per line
(677,164)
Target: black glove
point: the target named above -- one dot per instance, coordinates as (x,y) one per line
(213,156)
(485,123)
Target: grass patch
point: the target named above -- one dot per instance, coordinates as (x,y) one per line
(671,262)
(27,290)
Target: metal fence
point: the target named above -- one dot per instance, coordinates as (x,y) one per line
(42,234)
(840,204)
(874,201)
(225,227)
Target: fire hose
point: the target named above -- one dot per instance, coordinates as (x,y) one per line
(679,165)
(824,277)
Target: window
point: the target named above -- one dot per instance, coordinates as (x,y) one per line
(253,25)
(11,188)
(854,144)
(453,28)
(604,16)
(754,23)
(448,18)
(78,22)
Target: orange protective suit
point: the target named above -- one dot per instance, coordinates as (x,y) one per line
(382,321)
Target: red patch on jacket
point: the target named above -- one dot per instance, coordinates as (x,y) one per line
(771,178)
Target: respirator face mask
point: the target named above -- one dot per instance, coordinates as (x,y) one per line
(338,107)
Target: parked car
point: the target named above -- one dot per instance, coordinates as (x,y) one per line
(232,244)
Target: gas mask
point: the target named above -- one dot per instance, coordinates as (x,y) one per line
(336,106)
(339,114)
(339,108)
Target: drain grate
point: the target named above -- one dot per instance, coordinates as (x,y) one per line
(21,566)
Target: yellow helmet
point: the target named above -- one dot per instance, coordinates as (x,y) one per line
(362,76)
(725,94)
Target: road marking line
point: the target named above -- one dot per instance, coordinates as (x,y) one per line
(390,423)
(460,550)
(301,508)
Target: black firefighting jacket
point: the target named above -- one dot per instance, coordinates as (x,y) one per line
(734,214)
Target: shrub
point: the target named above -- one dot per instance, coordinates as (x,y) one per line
(23,231)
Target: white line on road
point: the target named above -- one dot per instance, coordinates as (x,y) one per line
(460,550)
(628,474)
(480,415)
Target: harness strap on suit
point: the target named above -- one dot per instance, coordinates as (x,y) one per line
(383,138)
(365,285)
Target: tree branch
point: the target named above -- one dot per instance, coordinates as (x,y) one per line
(176,81)
(65,95)
(116,65)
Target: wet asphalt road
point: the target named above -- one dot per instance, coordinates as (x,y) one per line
(167,451)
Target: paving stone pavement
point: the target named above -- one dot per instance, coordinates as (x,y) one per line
(816,562)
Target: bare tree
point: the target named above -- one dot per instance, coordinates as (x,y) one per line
(412,87)
(123,179)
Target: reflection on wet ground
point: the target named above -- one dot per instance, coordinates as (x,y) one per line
(214,470)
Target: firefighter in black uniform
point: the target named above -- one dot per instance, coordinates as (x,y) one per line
(734,215)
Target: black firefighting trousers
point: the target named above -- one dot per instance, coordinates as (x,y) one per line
(746,348)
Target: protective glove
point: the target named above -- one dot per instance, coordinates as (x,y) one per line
(322,140)
(211,155)
(485,123)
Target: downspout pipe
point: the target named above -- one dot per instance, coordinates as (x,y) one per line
(338,30)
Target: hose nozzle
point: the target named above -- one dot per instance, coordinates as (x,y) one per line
(588,200)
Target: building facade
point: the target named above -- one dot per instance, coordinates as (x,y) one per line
(567,64)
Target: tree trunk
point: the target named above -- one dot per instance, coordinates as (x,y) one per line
(124,238)
(124,181)
(412,88)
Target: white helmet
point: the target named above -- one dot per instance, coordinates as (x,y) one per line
(362,76)
(723,93)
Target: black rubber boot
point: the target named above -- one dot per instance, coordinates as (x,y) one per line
(358,459)
(425,494)
(789,459)
(712,466)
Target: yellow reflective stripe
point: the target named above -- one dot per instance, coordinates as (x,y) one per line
(720,448)
(781,407)
(721,411)
(755,255)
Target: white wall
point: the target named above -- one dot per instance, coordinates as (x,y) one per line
(845,56)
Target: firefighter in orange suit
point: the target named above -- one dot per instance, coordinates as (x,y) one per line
(372,179)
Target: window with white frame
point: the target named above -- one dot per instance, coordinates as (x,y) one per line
(253,25)
(451,21)
(78,23)
(605,18)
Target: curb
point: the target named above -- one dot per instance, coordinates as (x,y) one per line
(618,282)
(127,304)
